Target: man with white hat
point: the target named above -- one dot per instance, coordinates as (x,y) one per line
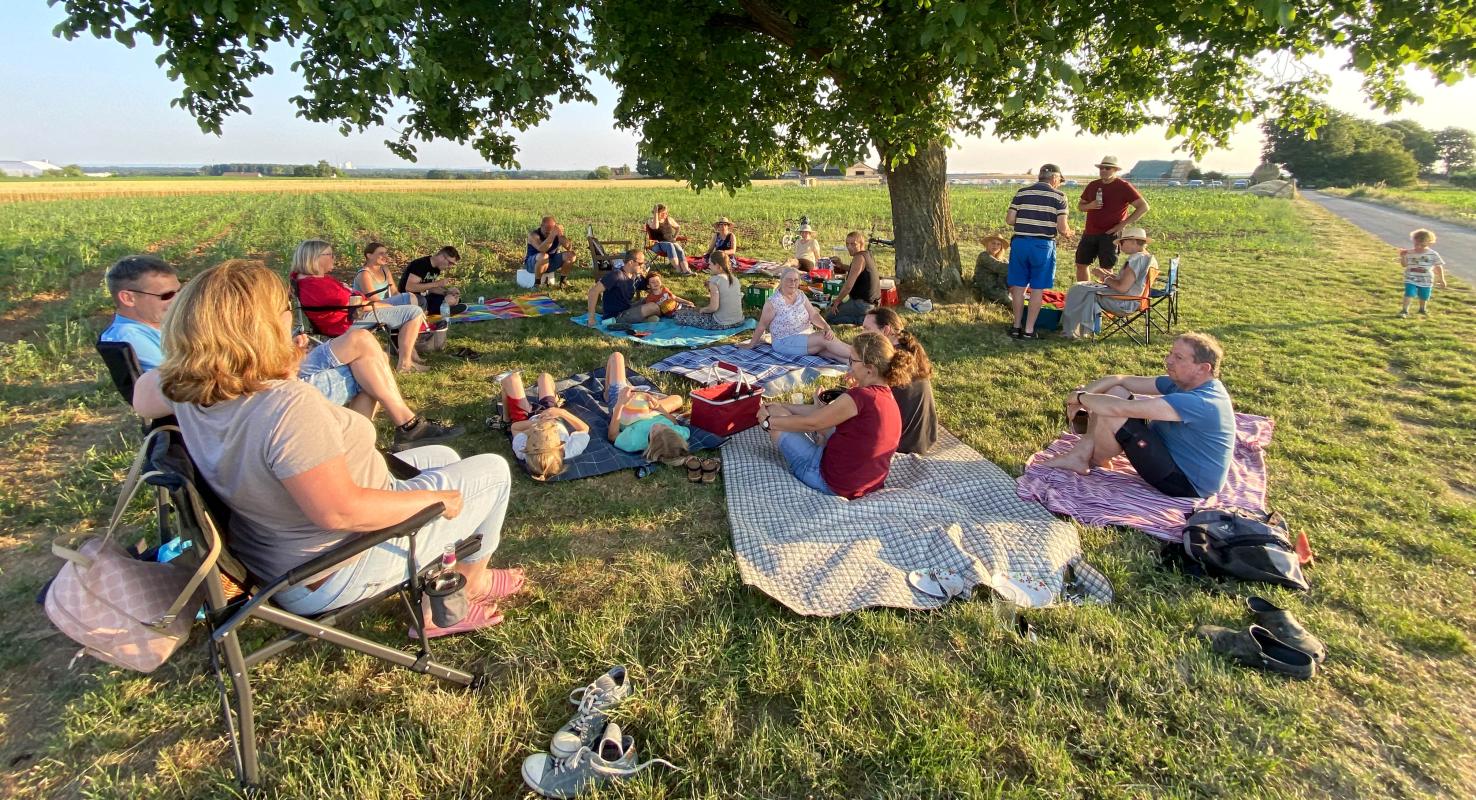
(1085,301)
(1106,201)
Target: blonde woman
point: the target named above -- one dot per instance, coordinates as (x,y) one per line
(794,326)
(300,474)
(858,431)
(334,308)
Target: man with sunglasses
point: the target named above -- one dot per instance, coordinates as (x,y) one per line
(142,288)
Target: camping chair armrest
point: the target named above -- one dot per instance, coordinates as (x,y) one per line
(622,242)
(1122,297)
(333,557)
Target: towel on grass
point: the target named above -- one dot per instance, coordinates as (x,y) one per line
(1115,495)
(776,373)
(528,305)
(823,555)
(666,333)
(699,263)
(584,397)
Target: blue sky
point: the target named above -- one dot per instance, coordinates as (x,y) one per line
(95,102)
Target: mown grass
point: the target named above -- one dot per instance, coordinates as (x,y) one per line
(1375,424)
(1441,202)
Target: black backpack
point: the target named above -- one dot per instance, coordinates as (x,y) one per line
(1249,545)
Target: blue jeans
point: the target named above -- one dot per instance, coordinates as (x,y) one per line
(671,250)
(803,457)
(485,485)
(322,369)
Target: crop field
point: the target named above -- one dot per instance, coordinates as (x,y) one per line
(1375,423)
(1442,202)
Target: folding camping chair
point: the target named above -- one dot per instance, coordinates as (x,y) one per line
(188,508)
(602,259)
(1111,322)
(306,325)
(1164,320)
(124,369)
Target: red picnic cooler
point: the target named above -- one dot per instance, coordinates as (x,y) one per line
(728,406)
(889,292)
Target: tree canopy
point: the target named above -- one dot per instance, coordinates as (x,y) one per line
(1345,151)
(721,89)
(1457,149)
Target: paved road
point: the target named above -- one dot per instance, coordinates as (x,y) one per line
(1456,243)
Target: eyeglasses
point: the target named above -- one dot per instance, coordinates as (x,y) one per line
(166,296)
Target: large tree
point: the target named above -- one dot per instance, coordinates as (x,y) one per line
(1343,151)
(1417,140)
(721,89)
(1457,149)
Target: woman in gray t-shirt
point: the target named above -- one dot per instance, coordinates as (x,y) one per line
(724,307)
(300,474)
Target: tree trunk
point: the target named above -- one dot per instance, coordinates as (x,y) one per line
(922,220)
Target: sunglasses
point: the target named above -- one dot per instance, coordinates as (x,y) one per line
(166,296)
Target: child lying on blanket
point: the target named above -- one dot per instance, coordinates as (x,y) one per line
(667,301)
(543,435)
(634,412)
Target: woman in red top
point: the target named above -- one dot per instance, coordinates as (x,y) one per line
(857,432)
(341,308)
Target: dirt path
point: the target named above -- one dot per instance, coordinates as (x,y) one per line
(1456,243)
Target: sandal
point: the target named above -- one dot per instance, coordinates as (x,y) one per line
(694,469)
(710,468)
(478,616)
(496,422)
(465,353)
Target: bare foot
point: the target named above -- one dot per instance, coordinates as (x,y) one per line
(413,367)
(1069,461)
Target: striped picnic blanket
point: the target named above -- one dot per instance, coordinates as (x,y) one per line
(776,373)
(823,555)
(528,305)
(1115,495)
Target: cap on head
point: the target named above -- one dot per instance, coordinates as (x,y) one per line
(1047,170)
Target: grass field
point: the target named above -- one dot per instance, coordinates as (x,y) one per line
(1442,202)
(1376,421)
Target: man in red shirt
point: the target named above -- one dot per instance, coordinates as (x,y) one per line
(1106,201)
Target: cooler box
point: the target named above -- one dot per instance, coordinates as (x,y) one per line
(889,292)
(822,274)
(728,406)
(756,294)
(1049,319)
(833,286)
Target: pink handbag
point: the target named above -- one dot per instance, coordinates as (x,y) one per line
(122,610)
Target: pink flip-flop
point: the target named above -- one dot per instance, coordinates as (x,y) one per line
(505,583)
(478,616)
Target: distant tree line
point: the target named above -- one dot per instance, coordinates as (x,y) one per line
(320,170)
(1348,150)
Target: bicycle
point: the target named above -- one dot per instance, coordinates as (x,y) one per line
(791,232)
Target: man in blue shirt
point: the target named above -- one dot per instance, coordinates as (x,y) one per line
(617,293)
(142,288)
(1037,215)
(1177,429)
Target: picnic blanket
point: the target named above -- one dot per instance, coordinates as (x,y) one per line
(776,373)
(742,264)
(584,397)
(1115,495)
(667,333)
(528,305)
(824,555)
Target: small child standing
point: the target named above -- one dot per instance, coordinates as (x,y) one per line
(1422,265)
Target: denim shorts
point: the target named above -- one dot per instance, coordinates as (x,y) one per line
(322,369)
(796,345)
(612,393)
(803,457)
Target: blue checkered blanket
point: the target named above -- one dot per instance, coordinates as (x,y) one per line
(666,333)
(776,373)
(584,397)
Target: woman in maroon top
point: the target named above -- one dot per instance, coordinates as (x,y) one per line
(857,432)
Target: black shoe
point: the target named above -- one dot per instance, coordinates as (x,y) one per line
(1029,335)
(1258,648)
(420,431)
(459,308)
(1285,627)
(1015,332)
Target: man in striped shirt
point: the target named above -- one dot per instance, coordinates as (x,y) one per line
(1037,215)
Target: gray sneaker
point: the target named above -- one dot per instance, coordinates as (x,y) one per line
(587,725)
(612,758)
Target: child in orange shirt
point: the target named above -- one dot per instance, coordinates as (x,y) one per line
(663,298)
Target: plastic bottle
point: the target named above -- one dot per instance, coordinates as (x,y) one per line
(445,309)
(447,571)
(1099,197)
(482,300)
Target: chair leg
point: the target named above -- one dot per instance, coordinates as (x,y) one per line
(240,717)
(415,663)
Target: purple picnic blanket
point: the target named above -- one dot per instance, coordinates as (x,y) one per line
(1115,495)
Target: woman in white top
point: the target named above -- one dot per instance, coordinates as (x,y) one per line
(792,323)
(1085,301)
(301,475)
(806,249)
(724,307)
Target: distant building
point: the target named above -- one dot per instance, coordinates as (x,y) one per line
(822,169)
(240,174)
(1167,170)
(860,170)
(26,169)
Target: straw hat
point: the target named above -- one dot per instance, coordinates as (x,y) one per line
(806,229)
(723,221)
(1133,233)
(1109,161)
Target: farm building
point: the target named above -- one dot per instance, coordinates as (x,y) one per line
(1166,170)
(823,169)
(26,169)
(860,170)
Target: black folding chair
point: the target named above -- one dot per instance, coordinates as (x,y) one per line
(191,510)
(306,325)
(124,369)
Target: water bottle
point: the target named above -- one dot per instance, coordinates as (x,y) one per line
(445,309)
(1099,197)
(482,300)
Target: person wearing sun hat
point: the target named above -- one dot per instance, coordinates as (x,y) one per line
(724,240)
(806,249)
(1085,300)
(1106,201)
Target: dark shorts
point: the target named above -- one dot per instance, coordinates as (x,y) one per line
(1150,457)
(1097,247)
